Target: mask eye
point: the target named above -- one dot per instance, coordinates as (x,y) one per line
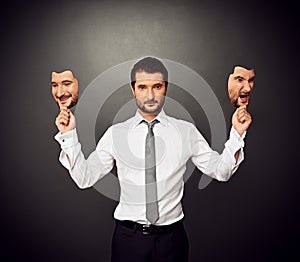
(239,79)
(67,83)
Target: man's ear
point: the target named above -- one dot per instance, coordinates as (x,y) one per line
(133,91)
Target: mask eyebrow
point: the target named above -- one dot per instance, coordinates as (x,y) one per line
(67,81)
(238,77)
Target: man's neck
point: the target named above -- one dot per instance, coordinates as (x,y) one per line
(148,117)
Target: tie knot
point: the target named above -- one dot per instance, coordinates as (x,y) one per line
(151,124)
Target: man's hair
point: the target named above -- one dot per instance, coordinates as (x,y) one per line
(149,65)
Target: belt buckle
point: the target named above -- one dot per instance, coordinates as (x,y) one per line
(146,229)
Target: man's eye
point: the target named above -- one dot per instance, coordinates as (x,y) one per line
(157,86)
(54,85)
(239,79)
(141,87)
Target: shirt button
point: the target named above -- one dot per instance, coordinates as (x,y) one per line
(63,140)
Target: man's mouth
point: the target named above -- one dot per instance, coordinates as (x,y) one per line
(150,103)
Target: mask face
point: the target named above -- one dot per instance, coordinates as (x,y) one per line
(240,85)
(64,88)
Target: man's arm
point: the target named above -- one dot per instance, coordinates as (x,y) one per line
(85,172)
(222,166)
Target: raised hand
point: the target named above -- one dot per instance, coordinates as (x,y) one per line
(241,119)
(65,121)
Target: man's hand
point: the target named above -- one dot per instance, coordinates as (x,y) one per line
(65,120)
(241,119)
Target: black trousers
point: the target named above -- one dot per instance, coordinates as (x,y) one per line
(130,245)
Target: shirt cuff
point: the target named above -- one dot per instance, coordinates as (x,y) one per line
(236,141)
(234,144)
(68,139)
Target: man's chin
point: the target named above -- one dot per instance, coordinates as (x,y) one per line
(151,110)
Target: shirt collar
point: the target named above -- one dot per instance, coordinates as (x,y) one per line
(161,117)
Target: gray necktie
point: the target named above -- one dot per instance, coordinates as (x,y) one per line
(150,175)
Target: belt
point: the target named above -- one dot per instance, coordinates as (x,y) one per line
(148,229)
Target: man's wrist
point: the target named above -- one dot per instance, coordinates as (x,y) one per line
(67,139)
(240,133)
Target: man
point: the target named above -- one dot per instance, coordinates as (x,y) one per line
(240,85)
(64,88)
(151,150)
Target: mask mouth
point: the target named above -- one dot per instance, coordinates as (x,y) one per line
(244,95)
(243,99)
(64,98)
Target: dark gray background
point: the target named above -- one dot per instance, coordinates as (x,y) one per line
(45,217)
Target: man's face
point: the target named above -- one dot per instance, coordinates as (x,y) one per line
(149,92)
(64,88)
(240,85)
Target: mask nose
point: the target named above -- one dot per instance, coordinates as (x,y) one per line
(247,87)
(60,91)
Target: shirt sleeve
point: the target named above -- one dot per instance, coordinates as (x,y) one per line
(85,172)
(219,166)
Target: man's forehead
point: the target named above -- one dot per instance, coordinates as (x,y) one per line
(144,76)
(243,72)
(59,76)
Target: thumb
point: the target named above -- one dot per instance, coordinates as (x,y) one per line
(61,107)
(243,107)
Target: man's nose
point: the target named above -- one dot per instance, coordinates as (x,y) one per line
(150,93)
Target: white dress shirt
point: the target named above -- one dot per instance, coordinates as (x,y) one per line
(176,141)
